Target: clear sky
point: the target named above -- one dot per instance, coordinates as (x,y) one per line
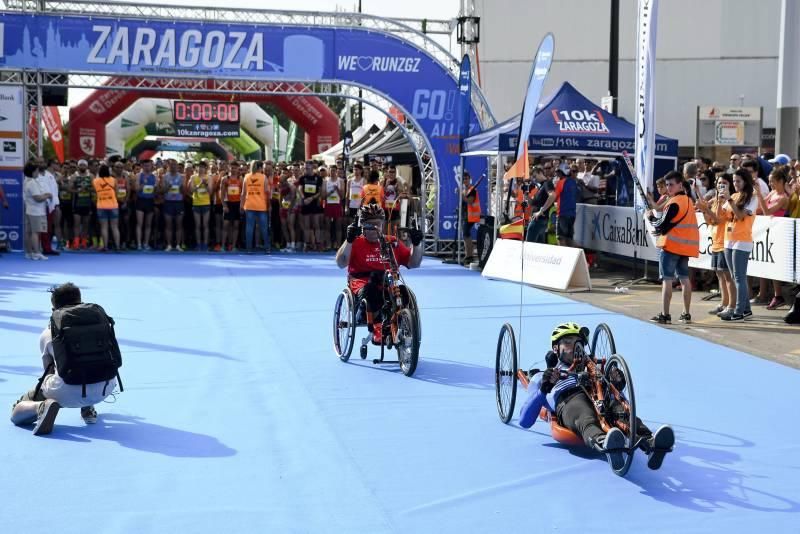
(431,9)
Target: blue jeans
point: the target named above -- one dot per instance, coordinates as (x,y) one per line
(737,265)
(536,231)
(250,221)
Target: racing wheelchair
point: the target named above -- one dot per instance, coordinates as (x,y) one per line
(602,374)
(401,319)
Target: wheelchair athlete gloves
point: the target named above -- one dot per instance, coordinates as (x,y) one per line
(416,236)
(549,379)
(353,231)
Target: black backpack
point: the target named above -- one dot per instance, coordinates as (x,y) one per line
(85,347)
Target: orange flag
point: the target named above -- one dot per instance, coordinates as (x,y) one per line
(520,169)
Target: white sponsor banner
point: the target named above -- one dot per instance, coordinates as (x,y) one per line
(11,106)
(774,244)
(613,229)
(546,266)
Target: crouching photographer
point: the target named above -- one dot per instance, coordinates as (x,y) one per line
(81,358)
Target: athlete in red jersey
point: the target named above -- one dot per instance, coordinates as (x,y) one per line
(361,254)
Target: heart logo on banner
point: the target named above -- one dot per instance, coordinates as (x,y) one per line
(364,62)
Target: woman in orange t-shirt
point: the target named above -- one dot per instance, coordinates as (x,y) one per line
(255,194)
(107,207)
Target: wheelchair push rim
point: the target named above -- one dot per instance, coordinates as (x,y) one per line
(626,423)
(505,373)
(344,325)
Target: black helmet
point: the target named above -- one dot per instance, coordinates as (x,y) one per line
(372,210)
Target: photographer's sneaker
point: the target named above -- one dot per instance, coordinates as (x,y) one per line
(89,415)
(48,410)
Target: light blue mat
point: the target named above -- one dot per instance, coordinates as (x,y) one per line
(237,415)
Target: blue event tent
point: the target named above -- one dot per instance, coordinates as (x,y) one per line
(570,123)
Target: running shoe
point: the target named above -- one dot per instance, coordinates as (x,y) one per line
(776,303)
(716,311)
(685,318)
(168,249)
(47,411)
(662,319)
(89,415)
(733,316)
(377,334)
(756,301)
(614,445)
(660,444)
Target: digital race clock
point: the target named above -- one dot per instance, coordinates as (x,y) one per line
(206,119)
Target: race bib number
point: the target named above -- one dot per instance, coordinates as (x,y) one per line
(333,199)
(175,189)
(355,196)
(310,189)
(285,204)
(84,194)
(202,190)
(148,189)
(122,194)
(276,195)
(64,195)
(233,190)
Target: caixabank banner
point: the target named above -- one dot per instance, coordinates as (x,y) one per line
(389,66)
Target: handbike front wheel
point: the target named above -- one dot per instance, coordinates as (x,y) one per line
(506,366)
(344,325)
(621,405)
(408,342)
(603,345)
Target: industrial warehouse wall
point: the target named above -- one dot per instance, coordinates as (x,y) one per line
(709,53)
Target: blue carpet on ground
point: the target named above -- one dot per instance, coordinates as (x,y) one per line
(237,414)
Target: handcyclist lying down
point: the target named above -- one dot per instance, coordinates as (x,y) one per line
(573,408)
(361,254)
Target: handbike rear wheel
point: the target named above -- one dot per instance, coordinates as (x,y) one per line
(624,419)
(603,345)
(344,325)
(408,341)
(506,366)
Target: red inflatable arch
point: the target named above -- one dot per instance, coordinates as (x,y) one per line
(87,120)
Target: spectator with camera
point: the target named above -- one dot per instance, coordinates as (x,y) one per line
(740,208)
(678,240)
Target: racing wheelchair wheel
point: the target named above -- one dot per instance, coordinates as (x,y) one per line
(620,406)
(603,345)
(410,300)
(408,342)
(506,366)
(344,324)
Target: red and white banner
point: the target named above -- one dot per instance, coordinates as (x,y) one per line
(55,131)
(53,127)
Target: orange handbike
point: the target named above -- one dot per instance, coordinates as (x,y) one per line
(597,373)
(401,325)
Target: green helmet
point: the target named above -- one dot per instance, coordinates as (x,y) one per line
(568,329)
